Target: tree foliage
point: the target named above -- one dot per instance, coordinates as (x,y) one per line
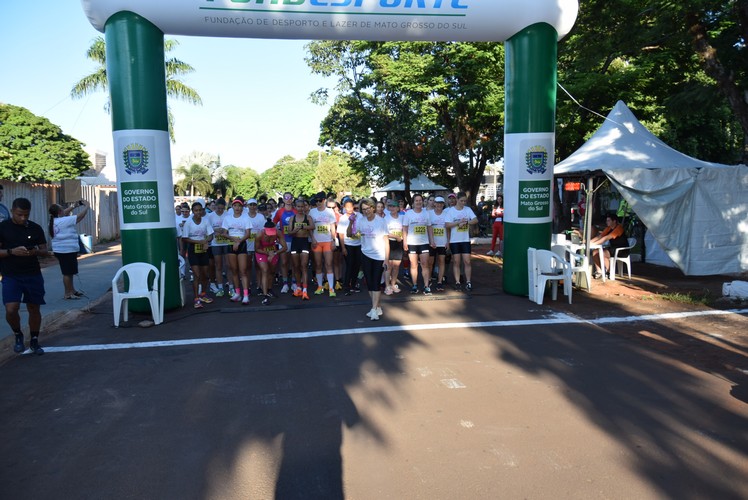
(193,179)
(97,81)
(236,181)
(437,107)
(32,149)
(289,174)
(680,66)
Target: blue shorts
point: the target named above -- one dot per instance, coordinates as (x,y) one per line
(28,289)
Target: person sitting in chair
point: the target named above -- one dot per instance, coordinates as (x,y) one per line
(614,234)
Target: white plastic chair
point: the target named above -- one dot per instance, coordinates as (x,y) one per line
(579,263)
(182,267)
(137,274)
(551,268)
(617,261)
(532,271)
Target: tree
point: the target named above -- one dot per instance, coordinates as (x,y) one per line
(32,149)
(289,174)
(665,60)
(195,178)
(237,181)
(434,106)
(175,88)
(334,174)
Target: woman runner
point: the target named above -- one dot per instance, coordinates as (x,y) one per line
(375,249)
(196,236)
(459,220)
(236,226)
(301,228)
(268,247)
(395,235)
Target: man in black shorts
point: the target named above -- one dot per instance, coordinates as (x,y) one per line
(22,242)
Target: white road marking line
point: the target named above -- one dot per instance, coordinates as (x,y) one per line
(556,319)
(453,383)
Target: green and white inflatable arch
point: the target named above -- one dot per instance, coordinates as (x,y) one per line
(134,32)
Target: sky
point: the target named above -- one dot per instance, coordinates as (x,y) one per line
(256,106)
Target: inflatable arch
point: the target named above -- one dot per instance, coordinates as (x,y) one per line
(134,31)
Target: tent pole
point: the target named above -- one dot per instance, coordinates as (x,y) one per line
(588,218)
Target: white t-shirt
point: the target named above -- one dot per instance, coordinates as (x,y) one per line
(437,226)
(65,239)
(216,221)
(417,224)
(256,224)
(343,223)
(324,224)
(461,233)
(194,231)
(180,223)
(236,225)
(394,226)
(372,237)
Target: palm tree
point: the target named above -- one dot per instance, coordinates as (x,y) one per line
(193,178)
(175,88)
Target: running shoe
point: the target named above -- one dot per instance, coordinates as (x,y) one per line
(327,285)
(332,293)
(285,288)
(489,253)
(427,290)
(414,290)
(469,286)
(235,298)
(379,311)
(205,299)
(373,315)
(388,290)
(319,291)
(232,291)
(266,301)
(396,288)
(220,292)
(338,286)
(458,287)
(439,287)
(304,295)
(245,300)
(213,288)
(294,287)
(497,254)
(360,275)
(198,304)
(297,292)
(35,347)
(19,347)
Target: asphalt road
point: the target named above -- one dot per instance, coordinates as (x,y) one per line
(320,402)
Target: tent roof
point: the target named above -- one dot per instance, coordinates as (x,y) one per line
(622,142)
(418,183)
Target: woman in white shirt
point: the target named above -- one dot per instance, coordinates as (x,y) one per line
(375,250)
(458,221)
(65,242)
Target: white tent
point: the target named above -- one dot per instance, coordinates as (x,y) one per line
(418,183)
(697,211)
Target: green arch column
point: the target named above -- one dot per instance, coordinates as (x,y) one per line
(529,142)
(137,85)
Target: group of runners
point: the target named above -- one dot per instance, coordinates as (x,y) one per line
(346,242)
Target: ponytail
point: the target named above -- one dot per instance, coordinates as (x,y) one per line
(54,211)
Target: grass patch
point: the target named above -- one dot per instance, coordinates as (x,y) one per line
(703,298)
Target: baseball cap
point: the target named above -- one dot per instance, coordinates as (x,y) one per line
(392,203)
(451,195)
(251,201)
(238,200)
(439,199)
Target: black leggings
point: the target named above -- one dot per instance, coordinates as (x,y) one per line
(352,265)
(373,270)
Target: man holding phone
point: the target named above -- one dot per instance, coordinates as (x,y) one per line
(22,242)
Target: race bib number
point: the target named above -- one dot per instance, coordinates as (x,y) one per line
(222,239)
(438,231)
(463,228)
(323,229)
(286,229)
(399,234)
(199,248)
(356,236)
(420,230)
(252,236)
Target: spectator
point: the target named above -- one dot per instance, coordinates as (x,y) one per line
(4,213)
(614,235)
(66,243)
